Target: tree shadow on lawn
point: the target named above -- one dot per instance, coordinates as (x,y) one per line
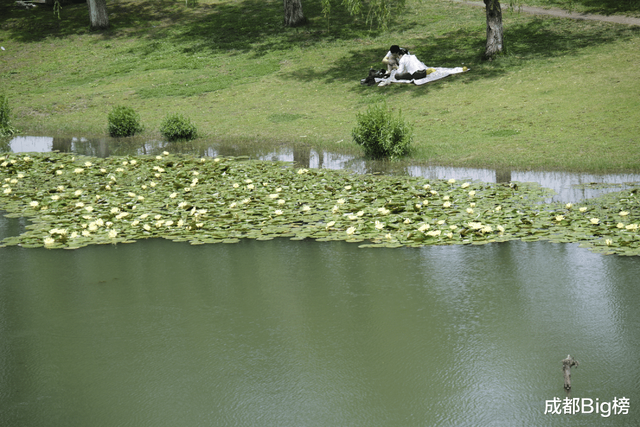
(235,26)
(538,38)
(603,7)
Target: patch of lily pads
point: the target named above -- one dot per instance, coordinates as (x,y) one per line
(74,201)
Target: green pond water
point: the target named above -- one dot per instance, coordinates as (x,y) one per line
(305,333)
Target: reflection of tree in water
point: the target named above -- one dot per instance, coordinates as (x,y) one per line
(5,145)
(503,175)
(302,156)
(62,145)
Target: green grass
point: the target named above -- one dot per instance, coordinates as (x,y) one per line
(564,97)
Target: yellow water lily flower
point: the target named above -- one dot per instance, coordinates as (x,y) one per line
(351,230)
(595,221)
(623,213)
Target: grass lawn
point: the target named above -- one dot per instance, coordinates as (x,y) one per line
(566,96)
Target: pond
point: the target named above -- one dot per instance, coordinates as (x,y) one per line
(305,333)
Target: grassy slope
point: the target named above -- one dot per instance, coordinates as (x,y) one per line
(565,97)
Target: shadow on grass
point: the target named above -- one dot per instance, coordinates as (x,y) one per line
(531,39)
(235,26)
(603,7)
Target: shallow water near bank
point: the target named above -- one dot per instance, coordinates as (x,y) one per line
(570,187)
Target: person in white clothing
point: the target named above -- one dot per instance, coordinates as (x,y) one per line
(410,67)
(391,59)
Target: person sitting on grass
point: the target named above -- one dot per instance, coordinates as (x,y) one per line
(410,67)
(392,57)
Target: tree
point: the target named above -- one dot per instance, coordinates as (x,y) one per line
(494,29)
(98,14)
(293,16)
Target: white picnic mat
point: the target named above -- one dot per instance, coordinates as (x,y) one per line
(438,74)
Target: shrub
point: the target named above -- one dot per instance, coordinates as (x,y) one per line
(382,134)
(5,123)
(177,127)
(124,121)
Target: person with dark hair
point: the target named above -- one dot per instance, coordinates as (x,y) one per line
(392,57)
(409,67)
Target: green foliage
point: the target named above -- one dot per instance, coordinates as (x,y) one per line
(379,12)
(5,123)
(381,133)
(124,121)
(176,127)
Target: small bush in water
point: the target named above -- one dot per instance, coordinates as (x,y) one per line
(177,127)
(124,121)
(382,134)
(5,123)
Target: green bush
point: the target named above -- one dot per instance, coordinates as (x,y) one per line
(176,127)
(382,134)
(5,123)
(124,121)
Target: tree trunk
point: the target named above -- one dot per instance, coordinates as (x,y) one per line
(494,28)
(98,14)
(293,16)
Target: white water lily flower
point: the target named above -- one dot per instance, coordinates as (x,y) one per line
(360,213)
(78,170)
(86,233)
(113,234)
(144,216)
(434,233)
(48,241)
(146,227)
(33,204)
(141,198)
(472,205)
(335,209)
(274,196)
(631,227)
(144,187)
(135,223)
(583,209)
(451,181)
(475,225)
(153,184)
(115,210)
(173,195)
(233,205)
(165,153)
(424,227)
(250,187)
(453,226)
(620,225)
(180,223)
(434,192)
(498,208)
(441,222)
(465,185)
(445,198)
(107,187)
(93,226)
(130,194)
(623,213)
(427,186)
(388,236)
(278,212)
(55,197)
(89,208)
(469,210)
(379,225)
(133,162)
(407,221)
(384,211)
(281,201)
(99,222)
(608,242)
(595,221)
(59,172)
(418,206)
(302,171)
(347,187)
(168,223)
(446,204)
(500,228)
(306,208)
(330,224)
(487,229)
(217,159)
(352,217)
(87,164)
(351,230)
(559,218)
(472,193)
(182,205)
(341,201)
(158,157)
